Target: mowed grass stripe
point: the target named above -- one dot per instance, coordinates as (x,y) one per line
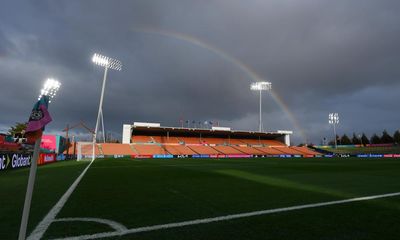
(161,194)
(119,232)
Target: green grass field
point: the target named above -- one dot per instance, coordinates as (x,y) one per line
(148,192)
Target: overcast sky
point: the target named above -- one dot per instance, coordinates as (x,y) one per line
(195,60)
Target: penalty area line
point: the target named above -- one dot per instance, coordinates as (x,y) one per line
(51,215)
(227,217)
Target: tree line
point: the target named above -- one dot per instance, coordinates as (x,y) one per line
(385,138)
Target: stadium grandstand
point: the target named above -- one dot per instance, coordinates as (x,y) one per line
(153,140)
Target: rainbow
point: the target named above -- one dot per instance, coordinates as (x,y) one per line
(243,67)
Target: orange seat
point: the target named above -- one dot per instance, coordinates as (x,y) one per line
(179,150)
(214,140)
(306,150)
(249,150)
(251,141)
(204,150)
(141,139)
(235,141)
(227,150)
(190,140)
(116,149)
(288,150)
(270,150)
(149,149)
(272,143)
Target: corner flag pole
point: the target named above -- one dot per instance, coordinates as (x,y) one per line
(29,191)
(38,119)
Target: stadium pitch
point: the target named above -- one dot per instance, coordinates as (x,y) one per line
(310,198)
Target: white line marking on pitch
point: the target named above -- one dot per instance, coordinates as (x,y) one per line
(51,215)
(225,218)
(113,224)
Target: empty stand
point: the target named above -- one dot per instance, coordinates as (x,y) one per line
(288,150)
(272,143)
(190,145)
(306,150)
(252,141)
(204,150)
(220,141)
(235,142)
(141,139)
(171,140)
(270,150)
(157,139)
(116,149)
(227,150)
(166,140)
(190,140)
(249,150)
(179,150)
(149,149)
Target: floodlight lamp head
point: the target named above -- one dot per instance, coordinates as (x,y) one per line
(107,62)
(261,86)
(50,88)
(333,118)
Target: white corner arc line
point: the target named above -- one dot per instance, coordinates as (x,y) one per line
(113,224)
(226,217)
(51,215)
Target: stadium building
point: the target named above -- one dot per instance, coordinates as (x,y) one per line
(151,140)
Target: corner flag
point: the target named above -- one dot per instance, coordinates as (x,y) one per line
(38,119)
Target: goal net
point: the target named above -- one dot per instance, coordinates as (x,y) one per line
(84,151)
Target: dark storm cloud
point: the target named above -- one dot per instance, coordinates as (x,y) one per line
(321,56)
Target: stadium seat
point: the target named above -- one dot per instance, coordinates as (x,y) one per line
(220,141)
(305,150)
(190,140)
(149,149)
(288,150)
(204,150)
(249,150)
(272,143)
(141,139)
(227,150)
(116,149)
(252,141)
(233,141)
(179,150)
(270,150)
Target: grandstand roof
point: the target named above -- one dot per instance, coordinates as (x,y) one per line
(140,130)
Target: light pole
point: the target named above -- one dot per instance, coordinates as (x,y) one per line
(107,63)
(260,86)
(48,92)
(334,120)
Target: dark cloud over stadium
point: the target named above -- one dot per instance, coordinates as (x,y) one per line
(181,59)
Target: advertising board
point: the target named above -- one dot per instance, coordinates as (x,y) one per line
(14,160)
(49,142)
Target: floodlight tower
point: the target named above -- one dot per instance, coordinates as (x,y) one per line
(107,63)
(334,120)
(260,86)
